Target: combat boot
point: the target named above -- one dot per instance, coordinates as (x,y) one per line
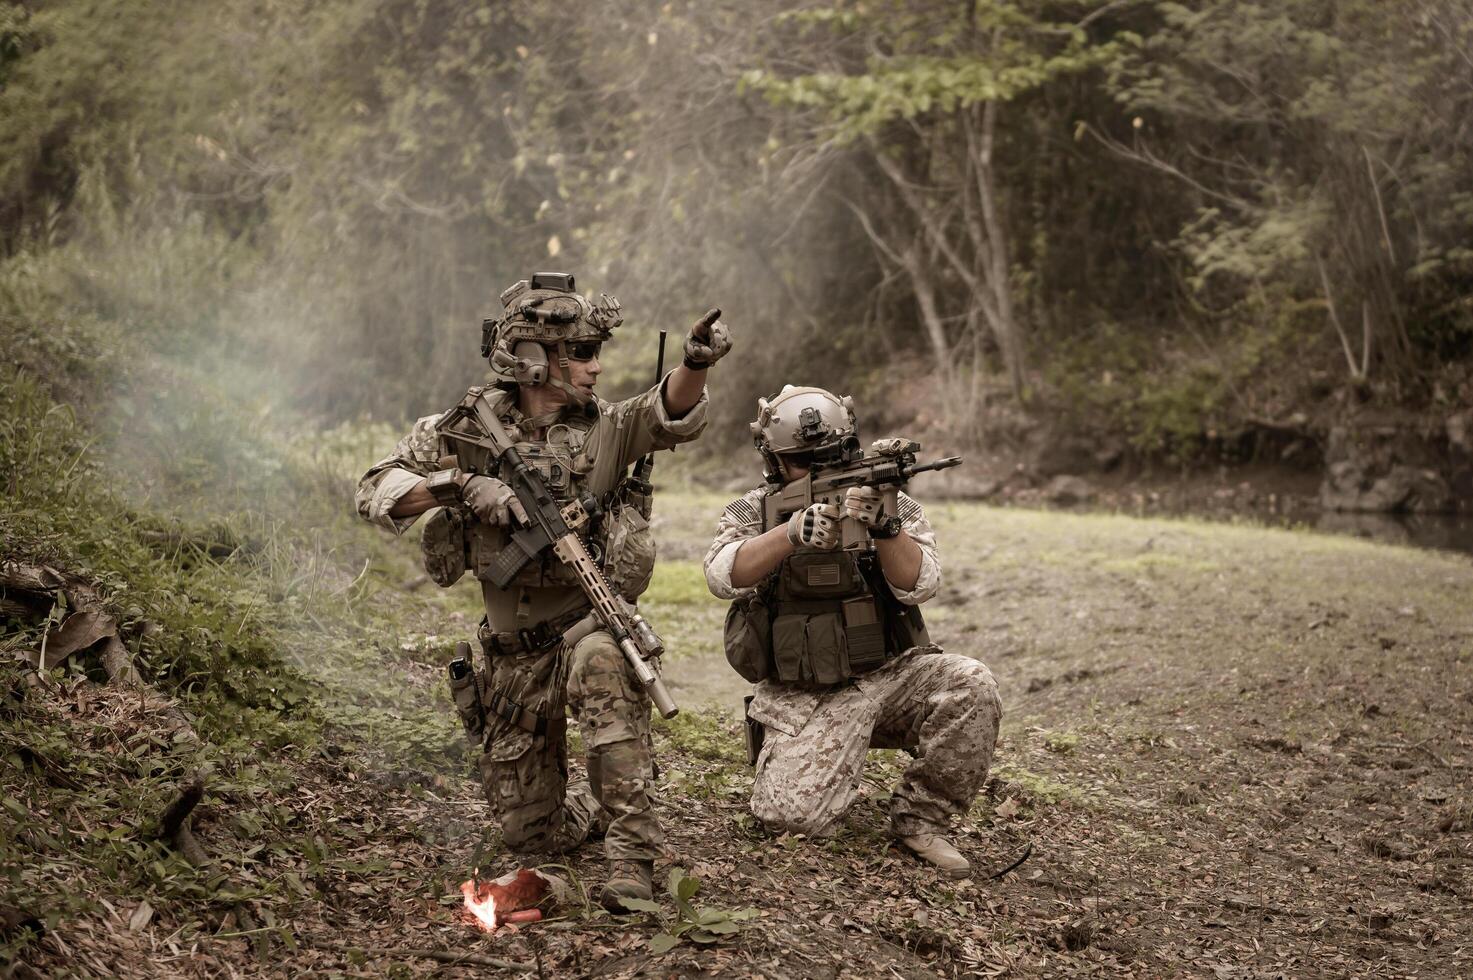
(937,850)
(627,880)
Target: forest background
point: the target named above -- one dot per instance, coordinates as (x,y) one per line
(1189,233)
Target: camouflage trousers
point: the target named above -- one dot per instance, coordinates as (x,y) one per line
(941,706)
(525,776)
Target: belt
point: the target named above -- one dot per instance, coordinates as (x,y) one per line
(538,636)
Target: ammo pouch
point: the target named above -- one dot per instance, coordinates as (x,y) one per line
(442,545)
(748,637)
(833,619)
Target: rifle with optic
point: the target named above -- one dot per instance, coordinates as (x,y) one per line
(890,465)
(553,526)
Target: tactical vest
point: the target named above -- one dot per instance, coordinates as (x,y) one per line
(619,538)
(821,618)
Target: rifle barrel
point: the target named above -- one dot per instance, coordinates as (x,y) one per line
(940,464)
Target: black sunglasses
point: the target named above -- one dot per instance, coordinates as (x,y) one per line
(584,350)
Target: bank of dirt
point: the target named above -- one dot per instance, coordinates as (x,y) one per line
(1234,752)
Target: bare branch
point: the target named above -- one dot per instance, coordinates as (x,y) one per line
(1146,157)
(1335,318)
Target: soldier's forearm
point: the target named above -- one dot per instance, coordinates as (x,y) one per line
(900,558)
(415,502)
(683,390)
(758,556)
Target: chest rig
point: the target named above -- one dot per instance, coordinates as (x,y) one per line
(618,535)
(828,616)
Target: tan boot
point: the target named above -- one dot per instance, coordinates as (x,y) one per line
(937,850)
(627,879)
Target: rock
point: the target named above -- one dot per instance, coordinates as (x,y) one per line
(1383,468)
(1460,432)
(1350,486)
(1066,490)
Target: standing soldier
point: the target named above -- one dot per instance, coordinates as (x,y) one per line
(544,650)
(836,645)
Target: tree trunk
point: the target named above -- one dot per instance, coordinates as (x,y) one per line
(997,273)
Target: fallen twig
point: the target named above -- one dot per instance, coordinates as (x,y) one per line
(1021,858)
(172,821)
(445,956)
(1419,747)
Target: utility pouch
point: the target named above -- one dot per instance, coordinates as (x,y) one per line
(465,690)
(748,638)
(629,552)
(442,545)
(864,633)
(808,644)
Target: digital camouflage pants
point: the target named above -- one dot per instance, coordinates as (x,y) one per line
(526,776)
(944,707)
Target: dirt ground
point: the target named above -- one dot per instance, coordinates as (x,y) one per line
(1233,752)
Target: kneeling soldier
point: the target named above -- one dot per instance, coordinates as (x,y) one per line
(825,622)
(544,651)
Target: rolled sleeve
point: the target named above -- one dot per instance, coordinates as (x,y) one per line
(387,481)
(928,582)
(739,522)
(689,425)
(375,498)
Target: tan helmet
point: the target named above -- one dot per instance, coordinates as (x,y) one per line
(541,314)
(805,420)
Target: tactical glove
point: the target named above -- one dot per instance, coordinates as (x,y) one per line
(492,501)
(816,526)
(708,342)
(864,504)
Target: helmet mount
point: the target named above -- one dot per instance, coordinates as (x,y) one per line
(539,318)
(811,421)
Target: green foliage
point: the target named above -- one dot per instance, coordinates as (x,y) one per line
(323,203)
(1061,743)
(928,62)
(699,925)
(1340,170)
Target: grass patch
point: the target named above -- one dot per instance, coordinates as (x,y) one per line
(688,618)
(1036,787)
(714,735)
(1061,743)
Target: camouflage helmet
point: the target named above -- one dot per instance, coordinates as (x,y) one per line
(804,420)
(545,312)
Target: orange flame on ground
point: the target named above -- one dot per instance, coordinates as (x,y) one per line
(480,903)
(509,899)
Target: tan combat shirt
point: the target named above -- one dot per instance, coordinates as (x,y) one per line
(601,450)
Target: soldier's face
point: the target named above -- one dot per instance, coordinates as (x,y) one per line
(585,374)
(582,373)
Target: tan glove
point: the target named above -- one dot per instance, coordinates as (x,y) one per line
(865,504)
(709,342)
(492,501)
(816,526)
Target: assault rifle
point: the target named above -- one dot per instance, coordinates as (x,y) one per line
(889,467)
(550,526)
